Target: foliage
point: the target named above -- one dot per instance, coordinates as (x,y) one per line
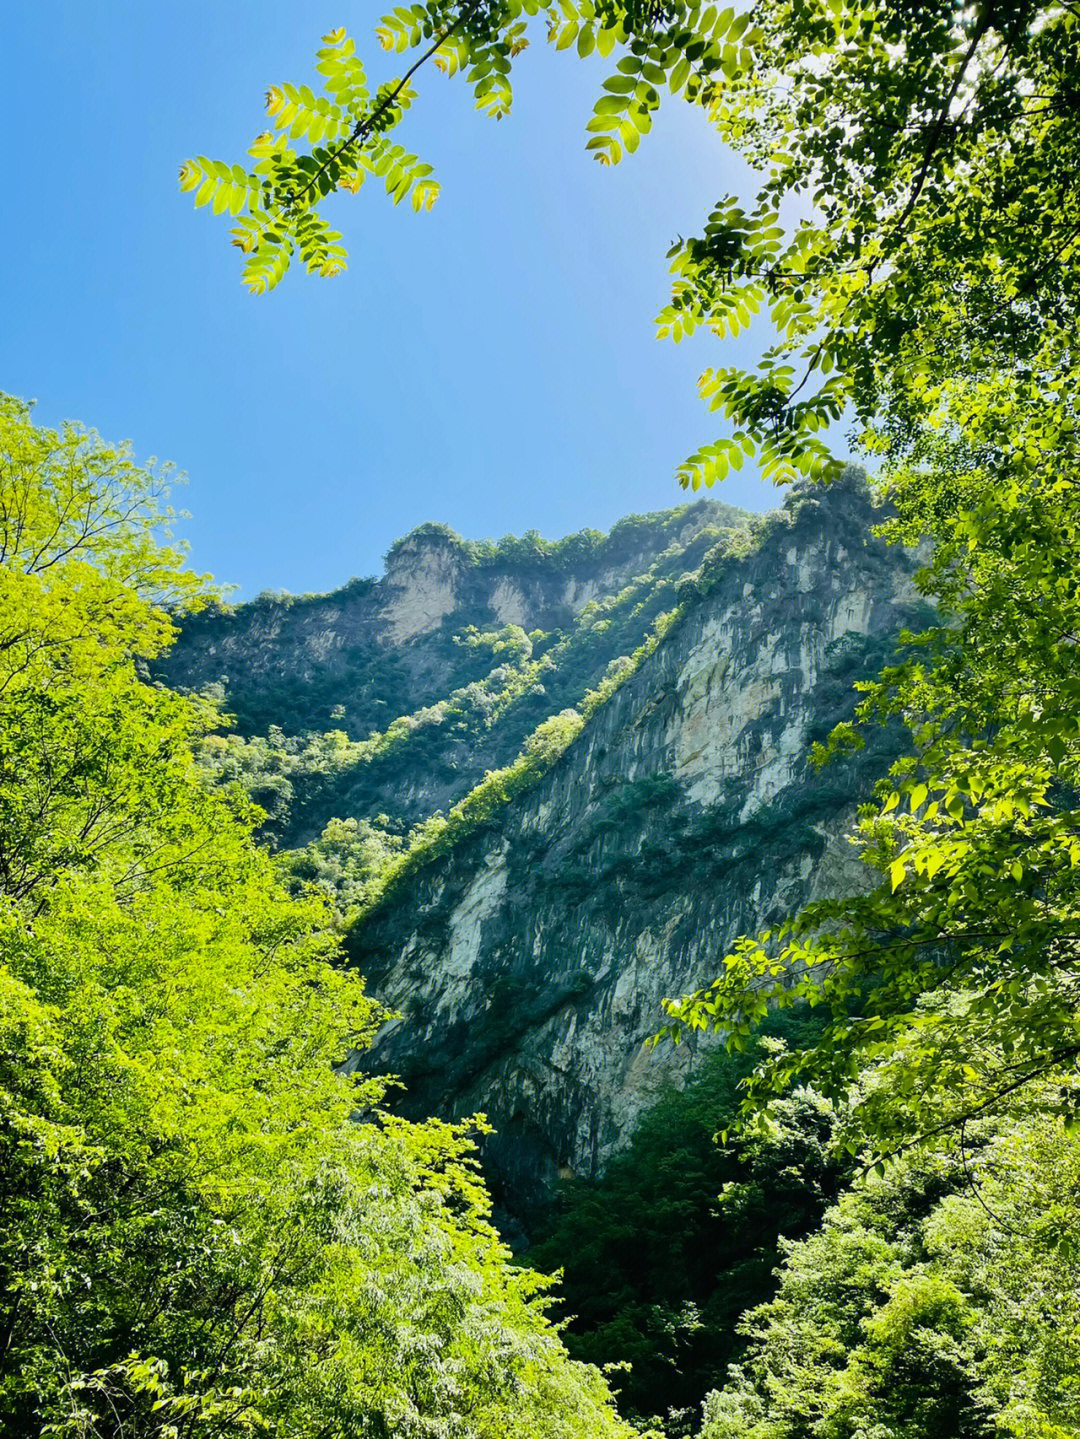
(196,1236)
(662,1254)
(542,749)
(345,862)
(937,1301)
(510,640)
(267,769)
(886,116)
(583,550)
(282,193)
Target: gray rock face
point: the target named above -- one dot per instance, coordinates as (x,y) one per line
(441,669)
(381,647)
(529,964)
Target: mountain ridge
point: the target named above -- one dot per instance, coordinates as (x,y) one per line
(535,853)
(455,656)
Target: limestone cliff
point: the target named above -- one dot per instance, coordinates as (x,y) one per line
(529,964)
(529,959)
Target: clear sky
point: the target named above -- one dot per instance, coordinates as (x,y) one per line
(491,364)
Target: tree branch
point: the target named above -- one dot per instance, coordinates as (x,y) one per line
(364,127)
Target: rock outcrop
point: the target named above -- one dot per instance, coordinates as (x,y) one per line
(529,964)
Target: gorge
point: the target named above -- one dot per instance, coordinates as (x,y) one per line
(526,960)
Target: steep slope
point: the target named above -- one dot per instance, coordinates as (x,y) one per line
(419,682)
(529,962)
(600,746)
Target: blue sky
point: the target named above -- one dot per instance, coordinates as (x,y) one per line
(491,364)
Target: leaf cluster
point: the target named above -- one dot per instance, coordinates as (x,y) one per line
(934,1301)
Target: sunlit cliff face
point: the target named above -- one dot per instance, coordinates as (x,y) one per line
(529,964)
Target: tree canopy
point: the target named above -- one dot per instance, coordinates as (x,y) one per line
(938,1302)
(208,1225)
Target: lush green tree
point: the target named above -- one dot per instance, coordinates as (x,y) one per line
(937,1302)
(346,861)
(207,1226)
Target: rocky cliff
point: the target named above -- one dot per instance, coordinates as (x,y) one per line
(436,672)
(528,965)
(527,959)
